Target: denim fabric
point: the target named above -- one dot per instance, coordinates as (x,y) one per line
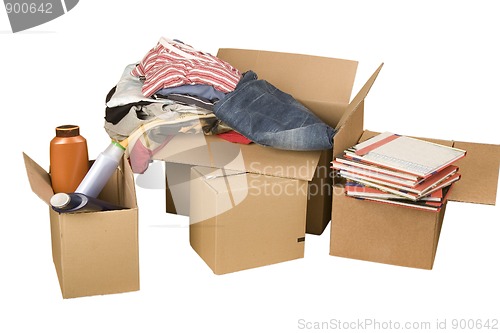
(270,117)
(199,90)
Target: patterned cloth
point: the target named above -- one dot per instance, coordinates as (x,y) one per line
(171,64)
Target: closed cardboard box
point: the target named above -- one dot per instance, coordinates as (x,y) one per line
(94,253)
(240,220)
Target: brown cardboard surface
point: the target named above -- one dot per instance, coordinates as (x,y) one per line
(329,112)
(98,254)
(39,179)
(349,134)
(359,98)
(350,125)
(305,77)
(237,222)
(169,200)
(94,253)
(479,170)
(177,177)
(319,199)
(383,233)
(318,202)
(211,151)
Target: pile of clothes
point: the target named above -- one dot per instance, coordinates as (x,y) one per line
(176,89)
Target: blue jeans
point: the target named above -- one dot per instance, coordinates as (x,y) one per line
(270,117)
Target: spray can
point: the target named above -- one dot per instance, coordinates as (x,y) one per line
(78,202)
(102,169)
(69,160)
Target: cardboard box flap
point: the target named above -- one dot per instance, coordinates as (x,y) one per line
(304,77)
(211,151)
(329,112)
(130,199)
(39,179)
(479,170)
(222,181)
(351,108)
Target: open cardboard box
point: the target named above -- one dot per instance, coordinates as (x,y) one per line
(324,85)
(404,236)
(94,253)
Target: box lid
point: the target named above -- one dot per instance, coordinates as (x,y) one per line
(211,151)
(360,96)
(479,170)
(320,83)
(39,179)
(222,181)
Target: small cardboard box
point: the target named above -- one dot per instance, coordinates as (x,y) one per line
(403,236)
(241,220)
(324,85)
(94,253)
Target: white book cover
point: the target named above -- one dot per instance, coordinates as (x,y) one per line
(407,154)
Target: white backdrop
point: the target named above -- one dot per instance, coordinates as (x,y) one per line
(440,80)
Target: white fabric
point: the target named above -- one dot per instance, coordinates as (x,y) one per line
(129,90)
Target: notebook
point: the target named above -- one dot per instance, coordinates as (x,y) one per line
(354,189)
(405,154)
(423,205)
(408,195)
(420,188)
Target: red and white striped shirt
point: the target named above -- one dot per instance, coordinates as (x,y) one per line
(172,64)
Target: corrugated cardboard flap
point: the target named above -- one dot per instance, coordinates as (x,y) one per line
(359,98)
(305,77)
(39,179)
(211,151)
(324,85)
(350,125)
(217,179)
(479,170)
(130,197)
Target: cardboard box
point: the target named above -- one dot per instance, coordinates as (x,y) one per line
(241,220)
(94,253)
(324,85)
(403,236)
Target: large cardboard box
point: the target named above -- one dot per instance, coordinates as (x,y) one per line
(240,220)
(94,253)
(403,236)
(324,85)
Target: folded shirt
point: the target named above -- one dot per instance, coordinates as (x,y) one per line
(171,64)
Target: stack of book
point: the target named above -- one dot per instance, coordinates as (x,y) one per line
(399,170)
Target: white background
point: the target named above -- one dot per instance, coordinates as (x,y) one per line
(440,80)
